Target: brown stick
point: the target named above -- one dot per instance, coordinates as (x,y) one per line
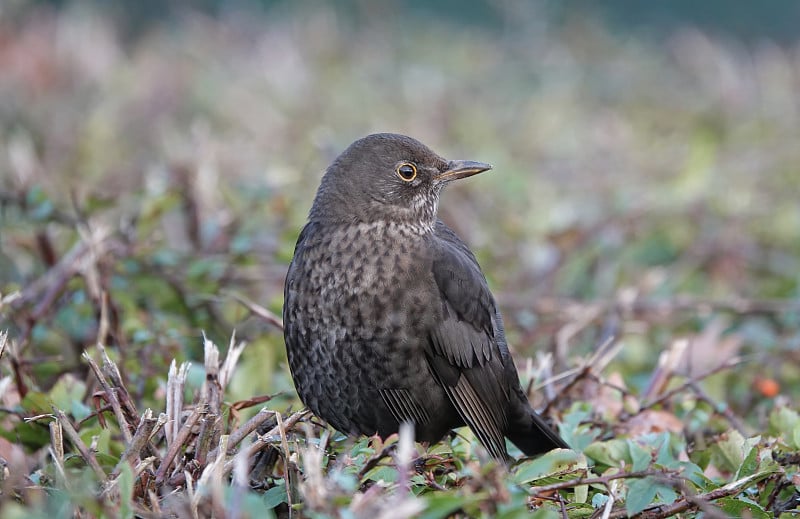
(259,444)
(730,363)
(648,308)
(242,431)
(600,480)
(694,502)
(111,394)
(258,310)
(182,436)
(111,369)
(75,438)
(138,442)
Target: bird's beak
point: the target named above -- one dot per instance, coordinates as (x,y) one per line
(462,169)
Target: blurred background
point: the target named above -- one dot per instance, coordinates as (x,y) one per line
(158,159)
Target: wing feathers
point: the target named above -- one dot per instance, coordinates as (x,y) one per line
(483,422)
(466,346)
(404,407)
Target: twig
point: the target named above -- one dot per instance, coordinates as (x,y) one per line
(667,365)
(781,483)
(112,370)
(182,436)
(209,429)
(176,379)
(16,367)
(111,394)
(211,479)
(583,373)
(258,310)
(730,363)
(137,470)
(262,440)
(52,282)
(285,447)
(102,324)
(574,327)
(138,442)
(375,459)
(57,451)
(231,358)
(692,502)
(246,428)
(211,386)
(723,410)
(75,438)
(600,480)
(240,485)
(599,359)
(648,308)
(790,503)
(3,341)
(561,506)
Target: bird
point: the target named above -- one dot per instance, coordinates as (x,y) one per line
(388,317)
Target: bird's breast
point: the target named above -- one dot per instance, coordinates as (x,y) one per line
(370,269)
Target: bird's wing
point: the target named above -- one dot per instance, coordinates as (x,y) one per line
(289,289)
(404,407)
(466,348)
(298,346)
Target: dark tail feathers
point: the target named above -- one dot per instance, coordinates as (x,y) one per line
(533,436)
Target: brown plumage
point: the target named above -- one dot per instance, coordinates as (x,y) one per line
(388,317)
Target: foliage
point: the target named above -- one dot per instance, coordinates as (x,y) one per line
(639,231)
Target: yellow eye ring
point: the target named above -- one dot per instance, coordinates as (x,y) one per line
(407,171)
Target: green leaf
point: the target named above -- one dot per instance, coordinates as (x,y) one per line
(388,474)
(67,390)
(516,507)
(665,456)
(610,452)
(107,462)
(640,495)
(695,474)
(666,494)
(737,507)
(573,429)
(784,423)
(36,403)
(727,454)
(101,436)
(275,496)
(442,504)
(344,480)
(125,482)
(640,457)
(79,410)
(749,465)
(248,503)
(558,461)
(599,500)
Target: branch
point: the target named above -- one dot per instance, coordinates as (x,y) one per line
(599,480)
(258,310)
(698,501)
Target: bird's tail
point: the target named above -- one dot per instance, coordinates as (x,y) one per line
(532,435)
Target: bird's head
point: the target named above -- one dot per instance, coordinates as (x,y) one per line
(387,177)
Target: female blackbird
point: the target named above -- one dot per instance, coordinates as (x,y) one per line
(387,315)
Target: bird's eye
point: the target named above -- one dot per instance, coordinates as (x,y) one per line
(407,172)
